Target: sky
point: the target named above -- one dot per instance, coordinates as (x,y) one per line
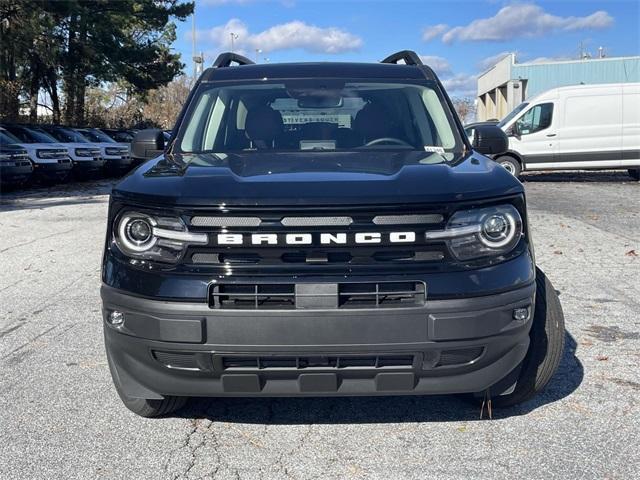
(458,39)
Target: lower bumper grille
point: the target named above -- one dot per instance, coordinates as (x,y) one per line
(341,295)
(320,362)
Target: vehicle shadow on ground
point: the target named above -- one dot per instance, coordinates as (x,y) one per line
(41,197)
(577,177)
(391,409)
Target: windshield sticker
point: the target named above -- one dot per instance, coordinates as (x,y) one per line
(428,148)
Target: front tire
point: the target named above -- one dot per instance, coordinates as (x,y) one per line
(145,407)
(152,408)
(634,173)
(545,348)
(510,164)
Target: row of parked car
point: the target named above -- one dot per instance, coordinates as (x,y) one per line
(56,153)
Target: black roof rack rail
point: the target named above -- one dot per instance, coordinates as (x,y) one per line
(409,56)
(227,58)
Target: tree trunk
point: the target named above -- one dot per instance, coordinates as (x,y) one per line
(34,89)
(9,85)
(51,86)
(70,66)
(81,75)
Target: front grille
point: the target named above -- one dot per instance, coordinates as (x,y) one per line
(253,296)
(385,295)
(323,362)
(289,296)
(297,240)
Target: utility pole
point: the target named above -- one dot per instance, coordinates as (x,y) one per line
(233,36)
(197,59)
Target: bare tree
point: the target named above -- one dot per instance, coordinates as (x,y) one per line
(163,105)
(465,108)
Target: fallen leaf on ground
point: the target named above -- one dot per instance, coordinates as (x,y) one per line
(602,358)
(557,252)
(631,253)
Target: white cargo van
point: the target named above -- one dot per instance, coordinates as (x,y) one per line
(577,127)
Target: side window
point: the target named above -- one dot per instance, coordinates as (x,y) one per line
(536,119)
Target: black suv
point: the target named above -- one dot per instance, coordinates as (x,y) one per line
(319,229)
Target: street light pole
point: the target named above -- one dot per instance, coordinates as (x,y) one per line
(233,37)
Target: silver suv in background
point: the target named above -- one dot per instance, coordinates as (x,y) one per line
(117,155)
(15,167)
(86,155)
(50,159)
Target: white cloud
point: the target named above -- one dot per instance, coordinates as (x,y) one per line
(492,60)
(549,59)
(518,20)
(440,65)
(295,34)
(461,85)
(433,31)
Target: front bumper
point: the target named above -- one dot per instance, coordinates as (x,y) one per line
(15,172)
(187,349)
(89,167)
(59,170)
(119,164)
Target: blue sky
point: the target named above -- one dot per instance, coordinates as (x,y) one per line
(458,38)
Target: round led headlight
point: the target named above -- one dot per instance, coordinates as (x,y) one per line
(498,229)
(135,232)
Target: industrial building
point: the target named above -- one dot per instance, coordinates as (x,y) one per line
(506,84)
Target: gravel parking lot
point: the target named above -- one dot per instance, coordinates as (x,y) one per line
(60,417)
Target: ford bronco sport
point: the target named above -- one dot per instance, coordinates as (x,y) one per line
(319,229)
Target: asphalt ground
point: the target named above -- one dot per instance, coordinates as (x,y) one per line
(61,418)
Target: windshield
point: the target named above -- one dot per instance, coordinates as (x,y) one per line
(66,135)
(512,114)
(7,139)
(318,115)
(30,135)
(96,135)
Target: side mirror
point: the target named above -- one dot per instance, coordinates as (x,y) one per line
(515,130)
(490,140)
(147,144)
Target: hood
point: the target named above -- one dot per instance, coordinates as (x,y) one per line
(316,178)
(80,145)
(45,146)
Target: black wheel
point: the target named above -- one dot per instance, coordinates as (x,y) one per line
(146,407)
(545,349)
(634,173)
(510,164)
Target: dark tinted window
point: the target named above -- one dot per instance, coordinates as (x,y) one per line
(536,119)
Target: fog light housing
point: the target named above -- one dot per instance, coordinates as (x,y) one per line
(116,318)
(522,314)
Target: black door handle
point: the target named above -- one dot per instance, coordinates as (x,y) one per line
(551,134)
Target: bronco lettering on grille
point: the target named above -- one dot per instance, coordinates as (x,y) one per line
(361,238)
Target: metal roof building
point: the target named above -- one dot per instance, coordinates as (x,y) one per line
(507,84)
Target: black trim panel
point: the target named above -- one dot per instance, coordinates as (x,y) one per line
(583,156)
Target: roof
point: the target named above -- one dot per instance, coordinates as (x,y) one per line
(320,69)
(542,76)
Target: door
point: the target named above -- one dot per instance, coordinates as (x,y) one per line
(533,135)
(591,132)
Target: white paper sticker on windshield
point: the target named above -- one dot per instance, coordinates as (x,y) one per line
(428,148)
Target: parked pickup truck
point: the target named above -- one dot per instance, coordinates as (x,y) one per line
(323,229)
